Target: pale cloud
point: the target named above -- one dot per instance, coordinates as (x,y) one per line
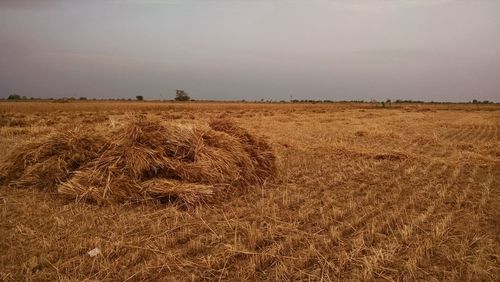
(383,6)
(28,4)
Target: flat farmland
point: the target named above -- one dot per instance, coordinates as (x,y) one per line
(361,192)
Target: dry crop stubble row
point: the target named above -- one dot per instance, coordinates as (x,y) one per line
(481,133)
(361,194)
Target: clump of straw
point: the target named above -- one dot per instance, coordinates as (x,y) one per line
(150,160)
(46,163)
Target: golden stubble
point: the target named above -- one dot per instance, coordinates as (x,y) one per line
(362,192)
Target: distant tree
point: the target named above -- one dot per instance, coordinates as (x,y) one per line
(181,95)
(474,101)
(83,98)
(139,98)
(14,97)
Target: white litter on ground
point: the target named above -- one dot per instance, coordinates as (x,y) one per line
(94,252)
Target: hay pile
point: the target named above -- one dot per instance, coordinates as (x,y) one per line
(46,163)
(144,160)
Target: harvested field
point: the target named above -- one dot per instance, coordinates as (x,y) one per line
(249,192)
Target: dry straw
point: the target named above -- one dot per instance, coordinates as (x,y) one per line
(144,160)
(46,163)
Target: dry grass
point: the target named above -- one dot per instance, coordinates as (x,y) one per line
(46,163)
(142,160)
(360,193)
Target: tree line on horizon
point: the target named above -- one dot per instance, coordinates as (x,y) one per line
(183,96)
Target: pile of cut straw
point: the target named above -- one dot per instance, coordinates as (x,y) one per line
(143,160)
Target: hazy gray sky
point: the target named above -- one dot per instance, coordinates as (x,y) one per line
(409,49)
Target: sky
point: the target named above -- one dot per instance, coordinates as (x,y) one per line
(432,50)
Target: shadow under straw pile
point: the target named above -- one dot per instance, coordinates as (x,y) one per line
(144,160)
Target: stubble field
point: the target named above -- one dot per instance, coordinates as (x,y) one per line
(361,192)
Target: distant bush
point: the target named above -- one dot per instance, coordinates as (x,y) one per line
(139,98)
(14,97)
(475,101)
(398,101)
(181,95)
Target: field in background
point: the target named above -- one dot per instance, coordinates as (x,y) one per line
(97,106)
(363,192)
